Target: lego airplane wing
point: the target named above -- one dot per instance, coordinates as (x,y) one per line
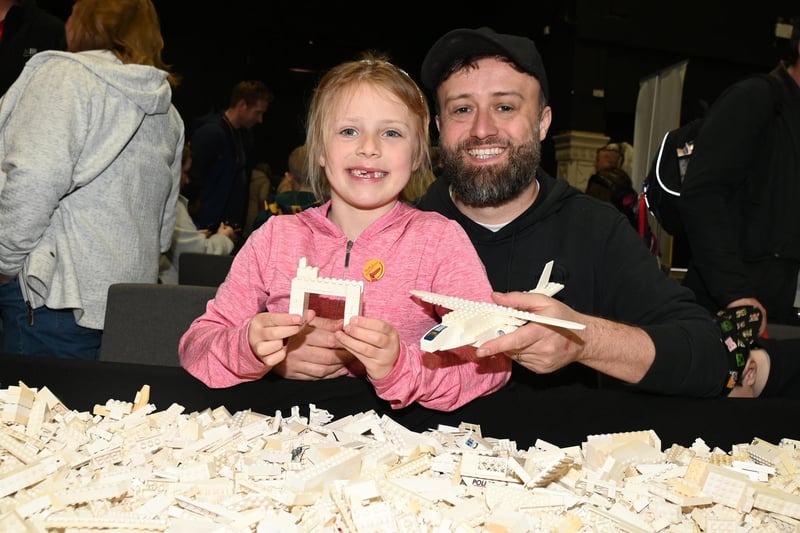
(474,323)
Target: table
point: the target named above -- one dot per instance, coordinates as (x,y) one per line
(562,415)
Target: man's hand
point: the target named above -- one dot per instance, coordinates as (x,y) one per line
(540,348)
(612,348)
(314,353)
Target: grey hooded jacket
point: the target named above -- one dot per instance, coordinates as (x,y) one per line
(90,157)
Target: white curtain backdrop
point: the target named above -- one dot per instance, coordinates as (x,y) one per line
(658,110)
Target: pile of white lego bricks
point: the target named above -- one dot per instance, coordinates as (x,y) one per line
(129,467)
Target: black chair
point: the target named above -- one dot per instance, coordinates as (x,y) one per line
(145,321)
(783,331)
(203,269)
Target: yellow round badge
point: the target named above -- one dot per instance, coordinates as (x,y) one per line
(373,270)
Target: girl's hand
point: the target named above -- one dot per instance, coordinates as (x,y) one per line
(374,342)
(267,334)
(314,353)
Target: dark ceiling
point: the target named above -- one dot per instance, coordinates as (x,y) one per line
(586,44)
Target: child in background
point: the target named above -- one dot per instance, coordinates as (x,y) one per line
(367,137)
(300,196)
(758,366)
(297,197)
(260,193)
(614,185)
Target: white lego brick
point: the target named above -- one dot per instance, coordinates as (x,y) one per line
(307,281)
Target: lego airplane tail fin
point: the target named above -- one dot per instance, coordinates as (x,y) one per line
(545,286)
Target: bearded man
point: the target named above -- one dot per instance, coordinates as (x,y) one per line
(643,328)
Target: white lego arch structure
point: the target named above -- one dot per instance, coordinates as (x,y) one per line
(307,281)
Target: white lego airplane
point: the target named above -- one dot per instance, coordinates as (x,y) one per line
(474,323)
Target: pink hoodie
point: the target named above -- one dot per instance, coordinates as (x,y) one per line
(420,250)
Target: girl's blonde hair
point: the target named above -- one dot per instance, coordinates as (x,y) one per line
(128,28)
(373,69)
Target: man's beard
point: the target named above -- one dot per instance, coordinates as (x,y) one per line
(491,185)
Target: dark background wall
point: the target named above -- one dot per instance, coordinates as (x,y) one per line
(596,51)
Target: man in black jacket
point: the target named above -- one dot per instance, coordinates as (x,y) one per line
(740,195)
(222,158)
(643,328)
(25,29)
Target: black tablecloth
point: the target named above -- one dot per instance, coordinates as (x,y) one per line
(563,416)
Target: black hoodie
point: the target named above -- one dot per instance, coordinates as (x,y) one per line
(608,272)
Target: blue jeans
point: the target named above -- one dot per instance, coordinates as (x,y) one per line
(51,332)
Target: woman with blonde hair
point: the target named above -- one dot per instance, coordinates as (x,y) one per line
(90,162)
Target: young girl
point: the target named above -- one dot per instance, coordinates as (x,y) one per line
(367,137)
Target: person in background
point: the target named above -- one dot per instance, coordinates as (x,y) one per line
(260,193)
(25,29)
(285,185)
(222,145)
(608,156)
(187,238)
(614,185)
(740,194)
(90,154)
(299,194)
(367,136)
(614,155)
(759,367)
(772,370)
